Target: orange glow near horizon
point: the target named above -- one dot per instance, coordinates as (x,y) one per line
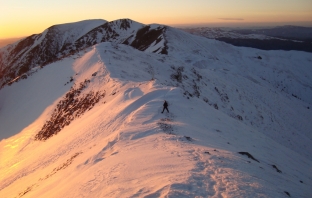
(19,18)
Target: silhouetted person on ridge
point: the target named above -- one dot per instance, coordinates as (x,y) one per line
(165,107)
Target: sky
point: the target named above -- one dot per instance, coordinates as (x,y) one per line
(19,18)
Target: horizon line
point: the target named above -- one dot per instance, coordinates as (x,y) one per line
(245,24)
(230,24)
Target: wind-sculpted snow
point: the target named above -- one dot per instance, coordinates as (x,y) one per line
(55,170)
(234,128)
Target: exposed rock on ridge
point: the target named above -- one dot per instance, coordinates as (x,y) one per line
(59,41)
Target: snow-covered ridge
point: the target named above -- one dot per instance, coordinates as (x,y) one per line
(60,41)
(38,50)
(239,126)
(73,31)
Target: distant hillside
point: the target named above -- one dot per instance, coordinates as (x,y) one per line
(286,32)
(277,38)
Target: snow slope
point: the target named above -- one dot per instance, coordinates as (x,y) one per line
(222,100)
(21,59)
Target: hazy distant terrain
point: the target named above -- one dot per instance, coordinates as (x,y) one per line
(286,32)
(275,38)
(4,42)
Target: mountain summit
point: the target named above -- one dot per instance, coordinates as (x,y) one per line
(59,41)
(80,115)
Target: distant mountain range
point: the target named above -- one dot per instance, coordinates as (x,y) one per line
(275,38)
(81,114)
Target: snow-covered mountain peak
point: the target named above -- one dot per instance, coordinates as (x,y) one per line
(124,24)
(90,123)
(59,41)
(73,31)
(80,24)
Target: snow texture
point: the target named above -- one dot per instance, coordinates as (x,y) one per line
(238,126)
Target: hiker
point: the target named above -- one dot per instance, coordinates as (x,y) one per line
(165,107)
